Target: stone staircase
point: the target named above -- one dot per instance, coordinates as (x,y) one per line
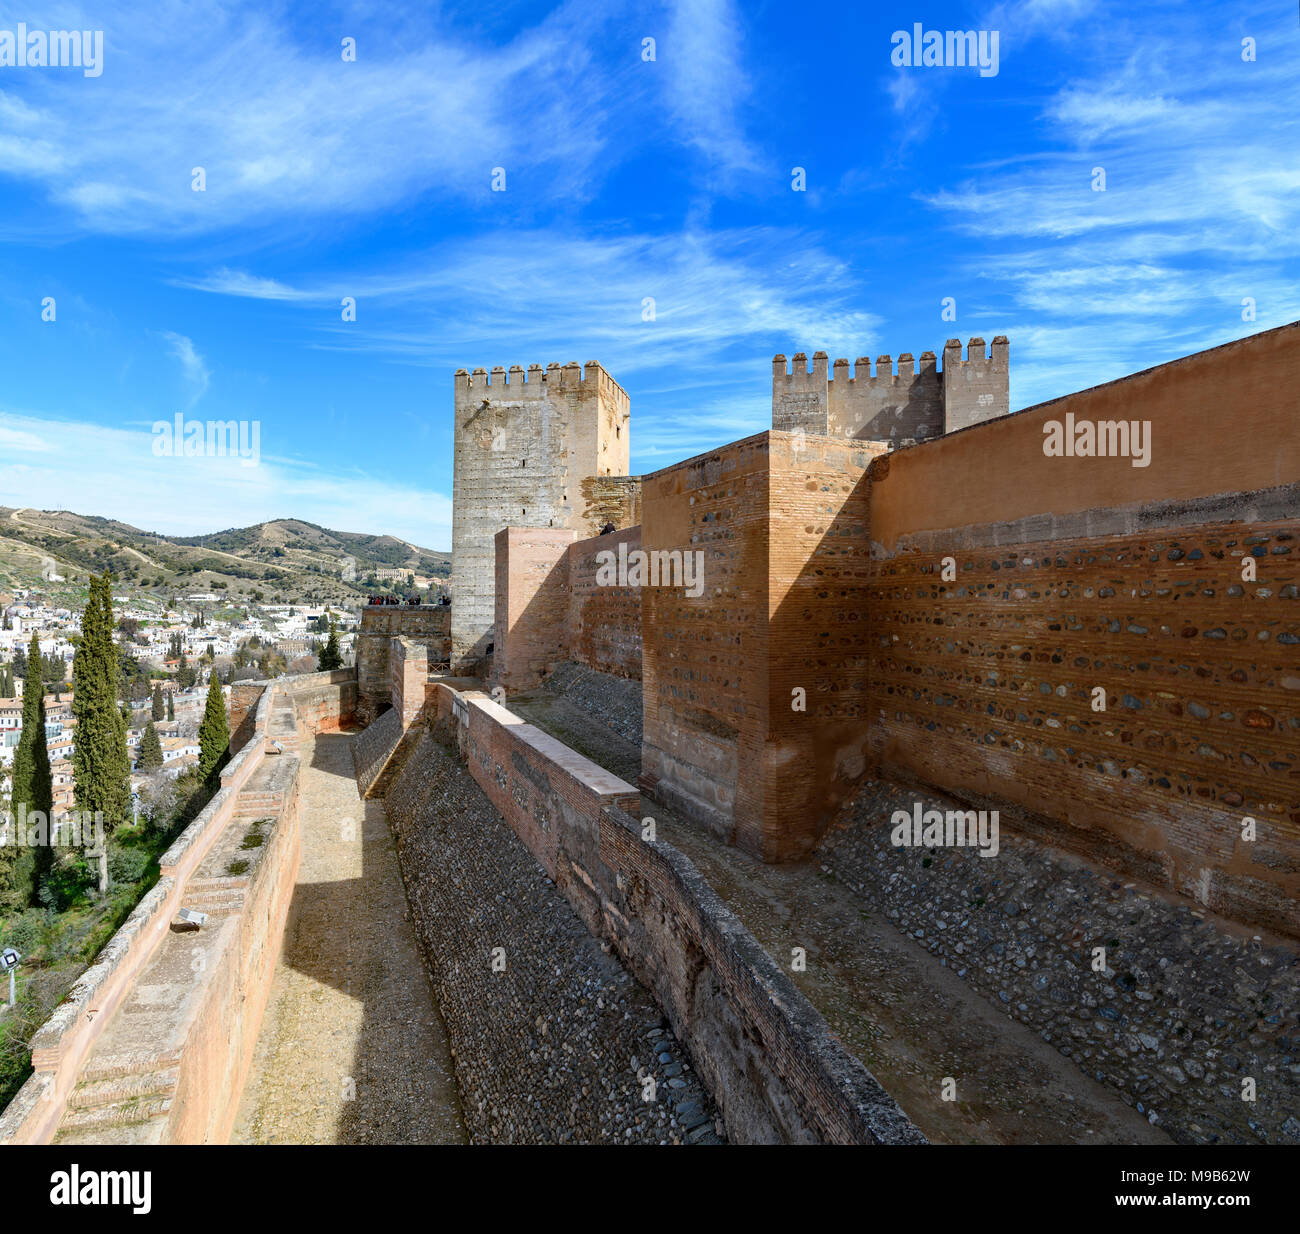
(122,1099)
(218,897)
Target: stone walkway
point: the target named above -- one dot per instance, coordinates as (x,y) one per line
(352,1048)
(912,1021)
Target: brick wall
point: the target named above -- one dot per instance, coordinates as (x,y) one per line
(428,624)
(1089,574)
(524,444)
(244,696)
(531,603)
(551,609)
(603,624)
(781,521)
(409,668)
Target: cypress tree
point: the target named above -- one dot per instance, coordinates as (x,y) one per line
(100,763)
(158,709)
(214,732)
(171,705)
(33,787)
(330,657)
(151,754)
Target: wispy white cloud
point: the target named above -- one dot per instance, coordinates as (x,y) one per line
(1200,211)
(283,127)
(195,371)
(545,290)
(702,59)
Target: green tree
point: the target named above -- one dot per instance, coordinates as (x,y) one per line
(151,755)
(171,705)
(157,708)
(6,681)
(100,763)
(214,732)
(330,656)
(32,795)
(185,674)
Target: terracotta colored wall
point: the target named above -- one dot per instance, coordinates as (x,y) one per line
(782,521)
(244,696)
(1074,573)
(531,603)
(704,664)
(818,566)
(429,624)
(603,628)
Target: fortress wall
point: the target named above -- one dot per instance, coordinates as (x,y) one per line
(1087,573)
(216,1021)
(819,552)
(219,1047)
(429,624)
(782,522)
(409,663)
(978,388)
(325,702)
(242,705)
(610,499)
(913,401)
(603,624)
(532,599)
(374,746)
(893,406)
(773,1066)
(704,665)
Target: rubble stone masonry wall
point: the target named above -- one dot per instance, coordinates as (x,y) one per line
(1083,578)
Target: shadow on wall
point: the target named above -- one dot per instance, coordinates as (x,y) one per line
(816,753)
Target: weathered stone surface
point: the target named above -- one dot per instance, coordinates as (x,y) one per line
(1183,1007)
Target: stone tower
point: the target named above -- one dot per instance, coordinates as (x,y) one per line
(914,403)
(527,449)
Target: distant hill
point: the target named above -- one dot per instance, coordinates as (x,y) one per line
(289,558)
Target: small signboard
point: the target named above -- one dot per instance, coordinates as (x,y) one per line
(8,959)
(193,916)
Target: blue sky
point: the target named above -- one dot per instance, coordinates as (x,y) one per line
(625,179)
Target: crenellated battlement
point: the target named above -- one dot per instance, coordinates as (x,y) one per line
(527,442)
(516,384)
(910,400)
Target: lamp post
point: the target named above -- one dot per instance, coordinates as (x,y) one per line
(8,963)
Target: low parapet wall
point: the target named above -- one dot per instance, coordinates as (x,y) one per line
(775,1069)
(224,1010)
